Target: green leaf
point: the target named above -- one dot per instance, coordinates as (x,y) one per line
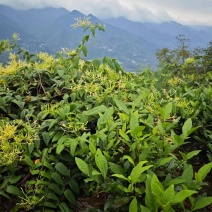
(64,207)
(46,138)
(60,148)
(119,201)
(53,123)
(186,127)
(73,106)
(57,136)
(167,111)
(129,159)
(150,200)
(47,175)
(13,179)
(164,161)
(73,97)
(92,147)
(178,140)
(52,196)
(138,131)
(144,154)
(64,111)
(108,61)
(124,136)
(120,176)
(190,154)
(107,115)
(96,63)
(54,187)
(62,169)
(203,202)
(74,186)
(144,209)
(57,178)
(73,146)
(31,147)
(63,139)
(121,106)
(48,165)
(188,173)
(76,61)
(125,189)
(28,161)
(4,195)
(203,171)
(138,170)
(169,192)
(50,204)
(92,28)
(70,197)
(101,163)
(14,190)
(133,206)
(175,181)
(20,104)
(85,38)
(124,117)
(184,156)
(83,166)
(134,122)
(116,169)
(96,110)
(182,195)
(84,49)
(158,190)
(60,72)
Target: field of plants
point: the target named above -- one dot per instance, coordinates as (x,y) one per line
(78,135)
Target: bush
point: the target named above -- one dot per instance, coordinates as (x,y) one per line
(79,134)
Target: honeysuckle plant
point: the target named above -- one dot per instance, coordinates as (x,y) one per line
(76,130)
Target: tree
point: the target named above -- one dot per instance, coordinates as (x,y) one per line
(204,58)
(182,50)
(172,60)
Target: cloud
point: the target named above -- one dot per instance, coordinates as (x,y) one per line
(137,10)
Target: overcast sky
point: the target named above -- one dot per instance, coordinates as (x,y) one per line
(183,11)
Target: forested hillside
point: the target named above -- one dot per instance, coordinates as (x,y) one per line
(133,44)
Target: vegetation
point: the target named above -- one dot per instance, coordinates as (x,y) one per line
(80,135)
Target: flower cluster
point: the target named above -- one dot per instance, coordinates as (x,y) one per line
(12,136)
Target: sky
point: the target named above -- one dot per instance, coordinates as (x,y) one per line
(183,11)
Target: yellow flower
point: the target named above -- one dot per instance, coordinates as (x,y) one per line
(150,109)
(190,60)
(81,22)
(37,161)
(174,81)
(12,136)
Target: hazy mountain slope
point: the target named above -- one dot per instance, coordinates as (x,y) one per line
(9,26)
(34,21)
(164,34)
(129,49)
(132,43)
(147,31)
(196,37)
(52,29)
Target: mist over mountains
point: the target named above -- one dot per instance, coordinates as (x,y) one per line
(133,44)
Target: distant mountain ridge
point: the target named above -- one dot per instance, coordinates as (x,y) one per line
(132,43)
(163,34)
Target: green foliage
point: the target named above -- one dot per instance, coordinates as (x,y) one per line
(77,132)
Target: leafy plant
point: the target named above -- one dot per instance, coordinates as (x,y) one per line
(80,134)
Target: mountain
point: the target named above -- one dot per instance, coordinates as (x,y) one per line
(163,34)
(133,44)
(51,29)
